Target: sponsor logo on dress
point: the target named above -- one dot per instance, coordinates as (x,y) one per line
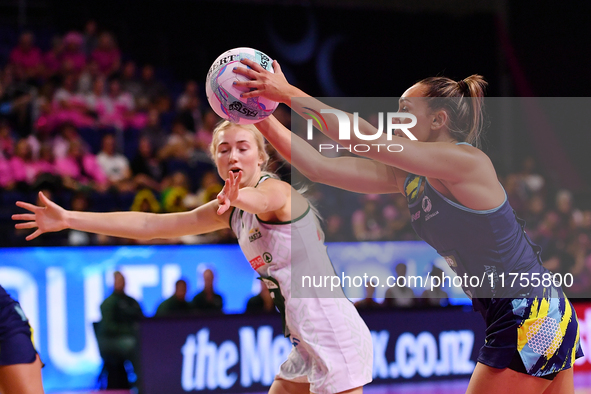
(270,285)
(415,216)
(429,216)
(267,257)
(254,234)
(426,204)
(257,262)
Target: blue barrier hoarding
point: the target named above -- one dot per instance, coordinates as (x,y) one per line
(61,288)
(242,353)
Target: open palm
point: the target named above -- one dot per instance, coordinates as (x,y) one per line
(45,219)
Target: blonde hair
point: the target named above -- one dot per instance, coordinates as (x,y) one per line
(464,107)
(260,142)
(258,138)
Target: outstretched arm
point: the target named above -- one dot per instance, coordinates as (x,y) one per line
(137,225)
(349,173)
(439,160)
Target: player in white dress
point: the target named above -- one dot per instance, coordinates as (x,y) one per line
(332,350)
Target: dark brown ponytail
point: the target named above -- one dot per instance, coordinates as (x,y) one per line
(465,107)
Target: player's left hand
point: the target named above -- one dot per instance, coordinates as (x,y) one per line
(273,86)
(230,192)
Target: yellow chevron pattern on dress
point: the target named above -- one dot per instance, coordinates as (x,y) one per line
(412,189)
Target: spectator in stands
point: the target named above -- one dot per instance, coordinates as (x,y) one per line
(151,88)
(10,82)
(400,295)
(336,229)
(434,295)
(69,106)
(45,122)
(515,194)
(553,249)
(580,250)
(124,107)
(75,237)
(7,141)
(46,169)
(107,54)
(81,170)
(96,100)
(174,193)
(368,302)
(15,99)
(368,222)
(73,59)
(23,166)
(129,81)
(146,167)
(208,301)
(52,59)
(566,214)
(154,130)
(115,109)
(210,186)
(205,133)
(179,145)
(531,181)
(262,302)
(97,91)
(585,224)
(89,75)
(6,180)
(177,303)
(114,165)
(118,334)
(27,58)
(145,201)
(397,217)
(191,114)
(191,90)
(534,214)
(61,143)
(188,107)
(89,39)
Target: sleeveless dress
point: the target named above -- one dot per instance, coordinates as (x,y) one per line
(16,345)
(535,322)
(333,349)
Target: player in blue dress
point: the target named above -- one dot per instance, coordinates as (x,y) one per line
(20,366)
(458,207)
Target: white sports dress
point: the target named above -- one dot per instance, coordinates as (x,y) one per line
(333,348)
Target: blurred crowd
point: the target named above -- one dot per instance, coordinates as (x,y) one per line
(96,131)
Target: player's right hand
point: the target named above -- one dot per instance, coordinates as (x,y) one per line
(48,218)
(230,192)
(273,86)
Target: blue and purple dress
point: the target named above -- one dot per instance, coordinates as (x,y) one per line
(535,326)
(16,344)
